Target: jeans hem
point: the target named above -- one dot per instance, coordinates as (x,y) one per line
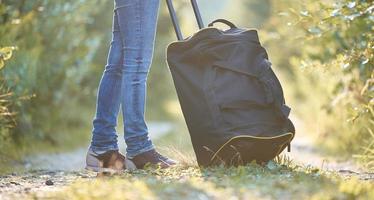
(101,150)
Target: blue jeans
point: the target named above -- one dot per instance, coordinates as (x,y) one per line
(123,83)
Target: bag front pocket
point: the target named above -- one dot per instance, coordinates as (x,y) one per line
(238,98)
(245,112)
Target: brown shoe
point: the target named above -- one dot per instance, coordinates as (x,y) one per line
(149,158)
(110,161)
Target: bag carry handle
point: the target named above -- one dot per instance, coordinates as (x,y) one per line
(174,18)
(224,21)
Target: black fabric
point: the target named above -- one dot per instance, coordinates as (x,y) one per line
(151,157)
(227,88)
(244,150)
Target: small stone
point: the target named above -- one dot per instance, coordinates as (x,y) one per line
(14,183)
(49,182)
(27,190)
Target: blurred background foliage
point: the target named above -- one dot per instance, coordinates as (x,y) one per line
(322,50)
(333,60)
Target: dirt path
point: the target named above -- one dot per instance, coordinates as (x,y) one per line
(305,152)
(51,172)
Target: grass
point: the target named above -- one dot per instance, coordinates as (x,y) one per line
(279,179)
(245,182)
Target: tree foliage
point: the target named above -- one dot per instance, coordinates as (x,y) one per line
(340,39)
(332,43)
(57,41)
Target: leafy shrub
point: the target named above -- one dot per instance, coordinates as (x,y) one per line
(341,41)
(57,43)
(6,116)
(332,44)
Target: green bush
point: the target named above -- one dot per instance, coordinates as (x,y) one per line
(339,39)
(62,49)
(334,47)
(57,42)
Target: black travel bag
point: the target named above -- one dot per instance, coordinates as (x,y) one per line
(231,99)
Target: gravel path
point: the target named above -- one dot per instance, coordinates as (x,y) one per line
(37,183)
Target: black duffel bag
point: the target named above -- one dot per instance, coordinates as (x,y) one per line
(231,99)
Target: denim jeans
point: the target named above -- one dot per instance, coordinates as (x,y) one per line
(123,84)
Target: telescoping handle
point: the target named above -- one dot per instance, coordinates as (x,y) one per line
(174,18)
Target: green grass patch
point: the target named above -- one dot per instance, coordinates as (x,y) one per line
(245,182)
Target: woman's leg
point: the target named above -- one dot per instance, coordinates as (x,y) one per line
(137,21)
(104,137)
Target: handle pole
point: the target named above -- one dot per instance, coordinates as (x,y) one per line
(197,14)
(174,19)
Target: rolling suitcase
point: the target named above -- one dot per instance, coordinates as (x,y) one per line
(231,99)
